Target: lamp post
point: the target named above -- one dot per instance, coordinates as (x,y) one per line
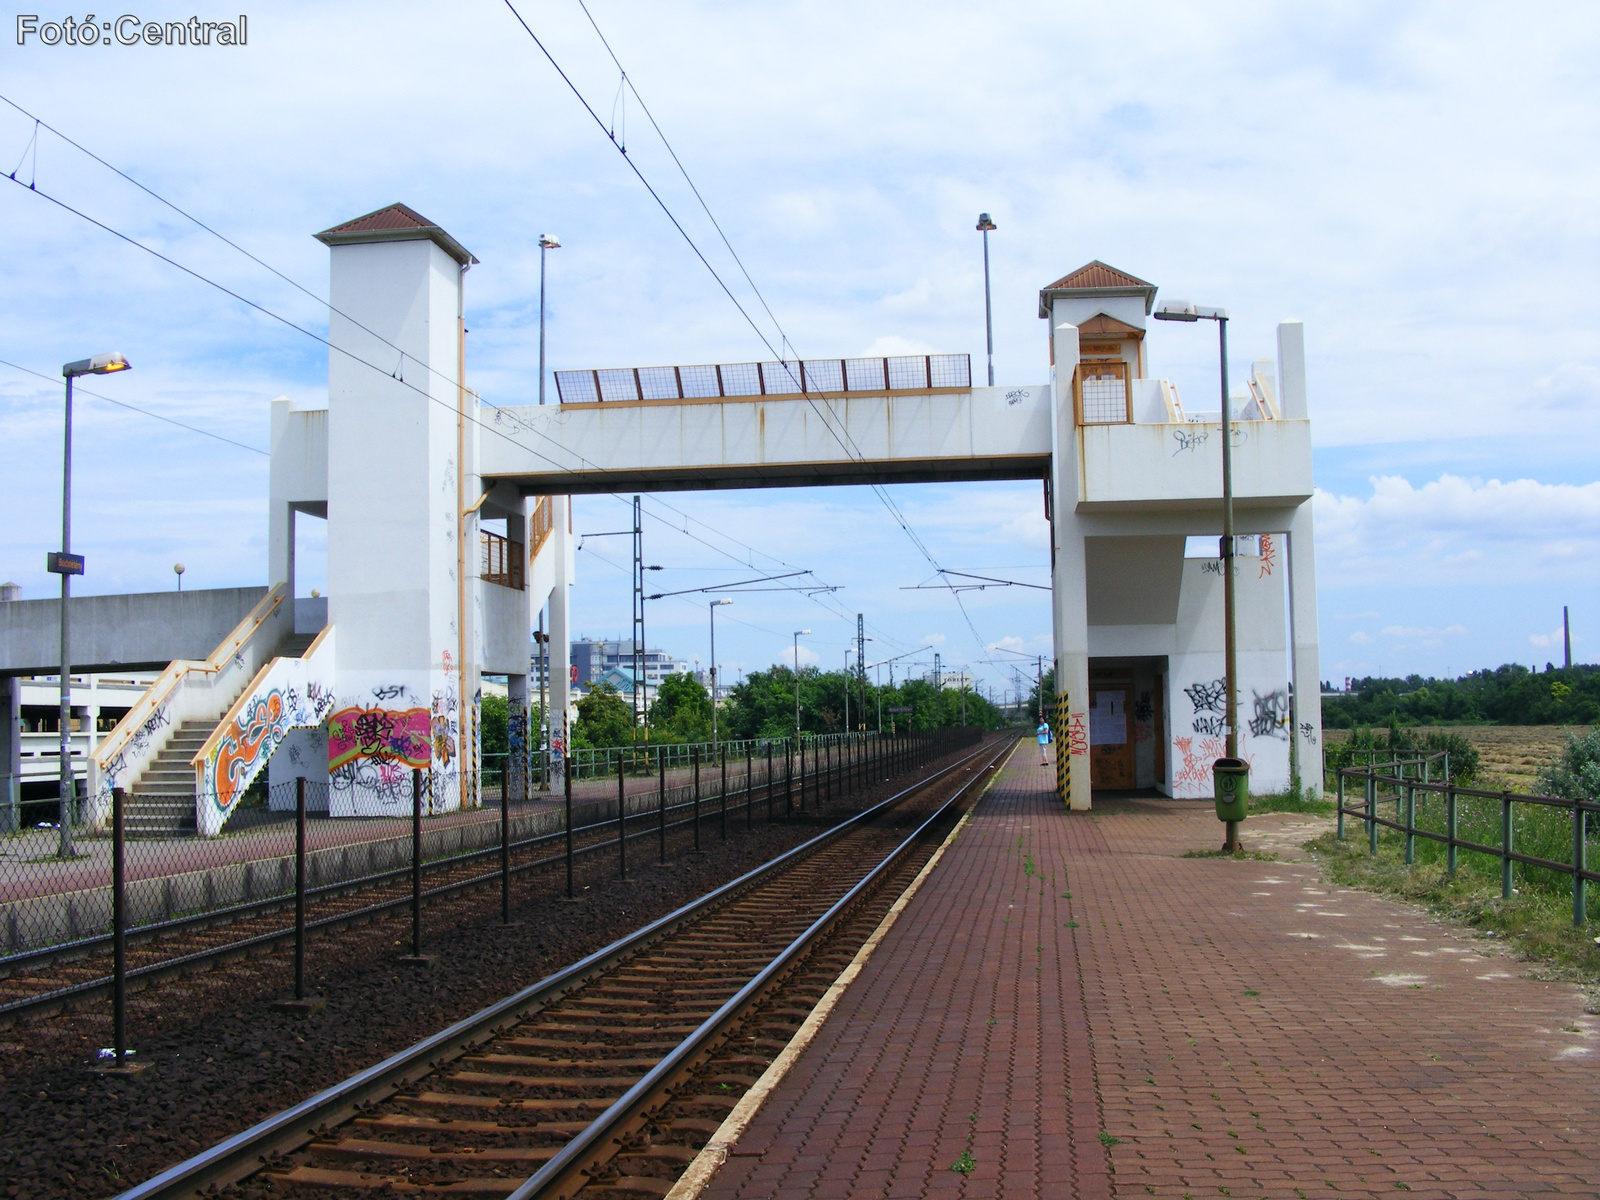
(177,569)
(1183,310)
(798,634)
(67,564)
(546,242)
(712,609)
(984,226)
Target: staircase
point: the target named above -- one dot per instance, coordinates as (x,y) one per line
(161,803)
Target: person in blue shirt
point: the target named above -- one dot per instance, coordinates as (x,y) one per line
(1044,743)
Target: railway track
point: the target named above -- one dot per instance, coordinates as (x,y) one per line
(57,978)
(608,1077)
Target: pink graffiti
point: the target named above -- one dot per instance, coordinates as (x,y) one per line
(399,735)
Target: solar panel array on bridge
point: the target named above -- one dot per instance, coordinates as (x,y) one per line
(812,376)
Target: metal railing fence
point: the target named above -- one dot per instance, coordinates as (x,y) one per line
(1548,834)
(601,762)
(812,376)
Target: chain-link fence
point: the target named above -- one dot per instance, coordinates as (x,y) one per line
(286,866)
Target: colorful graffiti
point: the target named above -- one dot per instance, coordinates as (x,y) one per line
(248,741)
(1269,555)
(388,735)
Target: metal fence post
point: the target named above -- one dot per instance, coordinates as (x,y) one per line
(416,865)
(769,783)
(828,772)
(661,807)
(723,799)
(696,754)
(300,888)
(119,922)
(1372,812)
(1450,824)
(505,848)
(1339,793)
(749,785)
(788,780)
(1505,845)
(1580,906)
(566,779)
(1411,823)
(622,820)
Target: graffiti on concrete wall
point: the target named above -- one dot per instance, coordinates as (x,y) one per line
(1269,555)
(381,734)
(1271,717)
(249,740)
(1209,699)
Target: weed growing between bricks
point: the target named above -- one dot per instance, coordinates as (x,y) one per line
(1536,921)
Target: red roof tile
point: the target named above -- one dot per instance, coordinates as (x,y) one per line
(1096,278)
(396,223)
(1097,275)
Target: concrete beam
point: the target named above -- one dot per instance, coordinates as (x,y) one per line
(142,631)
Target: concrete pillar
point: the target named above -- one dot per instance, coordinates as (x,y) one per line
(10,753)
(517,778)
(401,554)
(1292,371)
(560,630)
(1305,661)
(1069,607)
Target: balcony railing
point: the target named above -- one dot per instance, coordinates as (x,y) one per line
(540,523)
(812,376)
(502,560)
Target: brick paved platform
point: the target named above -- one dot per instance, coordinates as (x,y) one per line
(1180,1027)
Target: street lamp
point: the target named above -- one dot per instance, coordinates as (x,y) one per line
(1184,310)
(984,226)
(67,564)
(798,634)
(177,569)
(546,242)
(712,609)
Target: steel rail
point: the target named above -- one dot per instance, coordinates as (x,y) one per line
(634,1106)
(59,998)
(243,1154)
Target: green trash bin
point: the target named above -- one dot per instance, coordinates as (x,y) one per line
(1230,782)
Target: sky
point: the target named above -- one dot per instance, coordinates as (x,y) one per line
(1416,182)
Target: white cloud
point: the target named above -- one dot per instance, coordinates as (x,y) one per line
(1360,638)
(1453,530)
(934,639)
(1413,631)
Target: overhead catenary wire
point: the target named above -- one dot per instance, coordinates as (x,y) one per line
(80,390)
(397,373)
(846,442)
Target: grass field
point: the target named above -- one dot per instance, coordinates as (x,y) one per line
(1511,755)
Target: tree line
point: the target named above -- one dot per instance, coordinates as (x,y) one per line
(1508,695)
(762,705)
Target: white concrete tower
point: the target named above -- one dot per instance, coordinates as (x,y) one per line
(402,516)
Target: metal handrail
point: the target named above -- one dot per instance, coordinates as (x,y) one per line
(808,377)
(1405,822)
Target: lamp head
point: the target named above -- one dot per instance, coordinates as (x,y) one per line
(549,241)
(1177,310)
(714,603)
(100,364)
(985,224)
(802,633)
(177,568)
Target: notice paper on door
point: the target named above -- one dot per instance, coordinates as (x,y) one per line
(1108,719)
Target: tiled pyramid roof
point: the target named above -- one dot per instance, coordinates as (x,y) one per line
(1097,278)
(396,223)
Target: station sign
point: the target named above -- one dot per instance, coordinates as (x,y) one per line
(58,563)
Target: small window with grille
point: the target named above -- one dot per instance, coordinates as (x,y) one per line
(1103,392)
